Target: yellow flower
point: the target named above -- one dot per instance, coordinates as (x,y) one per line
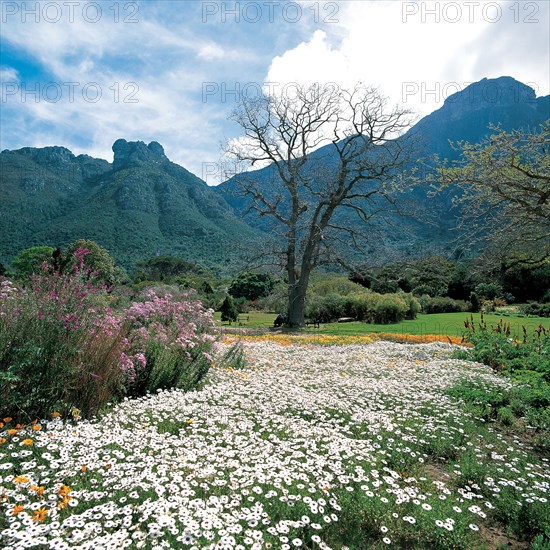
(17,509)
(21,479)
(189,421)
(40,514)
(12,431)
(27,442)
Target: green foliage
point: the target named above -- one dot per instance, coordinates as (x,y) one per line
(489,291)
(55,355)
(497,347)
(444,305)
(362,306)
(3,270)
(538,310)
(326,308)
(166,269)
(431,275)
(30,260)
(390,308)
(526,362)
(277,301)
(229,310)
(252,286)
(98,261)
(323,285)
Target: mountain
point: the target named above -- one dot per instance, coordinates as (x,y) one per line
(140,205)
(464,116)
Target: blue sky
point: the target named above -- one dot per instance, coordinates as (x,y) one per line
(169,70)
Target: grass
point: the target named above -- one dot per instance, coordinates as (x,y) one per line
(442,324)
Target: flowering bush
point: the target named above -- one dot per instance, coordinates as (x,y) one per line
(62,347)
(170,342)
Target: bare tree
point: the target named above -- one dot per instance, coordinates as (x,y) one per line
(311,186)
(504,196)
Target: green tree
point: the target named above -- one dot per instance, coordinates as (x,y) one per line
(431,275)
(30,260)
(504,185)
(166,269)
(229,310)
(97,260)
(252,286)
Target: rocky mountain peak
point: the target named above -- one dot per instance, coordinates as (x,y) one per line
(489,93)
(136,153)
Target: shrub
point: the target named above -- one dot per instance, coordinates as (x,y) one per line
(277,301)
(536,309)
(170,343)
(30,260)
(326,308)
(360,305)
(390,309)
(59,347)
(62,347)
(445,305)
(413,305)
(229,310)
(97,262)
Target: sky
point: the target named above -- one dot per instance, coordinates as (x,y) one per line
(84,74)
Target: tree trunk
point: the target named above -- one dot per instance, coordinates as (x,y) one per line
(297,304)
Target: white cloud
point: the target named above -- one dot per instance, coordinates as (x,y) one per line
(8,74)
(419,52)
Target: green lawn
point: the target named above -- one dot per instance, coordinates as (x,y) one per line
(451,324)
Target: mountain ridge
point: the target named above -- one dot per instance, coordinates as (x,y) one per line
(142,204)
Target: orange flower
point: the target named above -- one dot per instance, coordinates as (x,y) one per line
(56,414)
(7,420)
(63,503)
(84,467)
(21,479)
(40,514)
(20,426)
(17,509)
(64,490)
(27,442)
(38,490)
(2,440)
(37,427)
(1,425)
(12,431)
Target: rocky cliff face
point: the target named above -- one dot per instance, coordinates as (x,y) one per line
(135,153)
